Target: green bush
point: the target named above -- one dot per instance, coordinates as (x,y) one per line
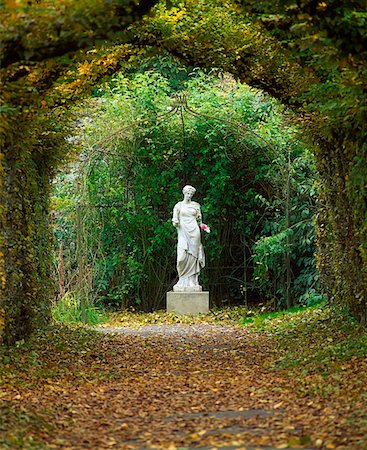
(113,209)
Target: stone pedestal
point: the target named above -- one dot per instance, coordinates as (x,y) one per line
(188,302)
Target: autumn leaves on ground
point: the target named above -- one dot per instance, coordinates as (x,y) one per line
(292,380)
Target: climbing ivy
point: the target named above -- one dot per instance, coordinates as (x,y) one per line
(53,60)
(42,71)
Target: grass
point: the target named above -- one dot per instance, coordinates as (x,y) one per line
(70,310)
(262,320)
(318,345)
(19,436)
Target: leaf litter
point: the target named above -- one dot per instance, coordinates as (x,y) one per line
(291,381)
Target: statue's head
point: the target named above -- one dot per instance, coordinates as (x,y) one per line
(188,188)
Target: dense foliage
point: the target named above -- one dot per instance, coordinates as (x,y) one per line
(255,182)
(42,71)
(309,68)
(309,55)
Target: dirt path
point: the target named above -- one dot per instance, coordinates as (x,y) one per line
(184,386)
(180,386)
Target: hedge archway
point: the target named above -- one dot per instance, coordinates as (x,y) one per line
(51,60)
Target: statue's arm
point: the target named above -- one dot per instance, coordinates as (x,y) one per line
(199,216)
(176,215)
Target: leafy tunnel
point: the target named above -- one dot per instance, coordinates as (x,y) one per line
(311,56)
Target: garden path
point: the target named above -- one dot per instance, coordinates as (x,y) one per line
(196,385)
(169,386)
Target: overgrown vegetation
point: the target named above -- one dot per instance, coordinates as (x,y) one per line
(70,310)
(303,55)
(310,56)
(256,183)
(34,113)
(304,369)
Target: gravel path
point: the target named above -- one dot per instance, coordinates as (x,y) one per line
(179,330)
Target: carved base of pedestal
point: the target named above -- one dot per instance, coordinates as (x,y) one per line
(188,302)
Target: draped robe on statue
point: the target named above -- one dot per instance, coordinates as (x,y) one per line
(190,252)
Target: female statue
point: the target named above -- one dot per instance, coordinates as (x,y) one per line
(190,252)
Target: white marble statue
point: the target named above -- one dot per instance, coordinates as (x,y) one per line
(190,252)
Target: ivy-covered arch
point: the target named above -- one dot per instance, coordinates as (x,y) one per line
(56,55)
(53,55)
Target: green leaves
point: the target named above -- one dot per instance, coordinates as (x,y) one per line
(230,144)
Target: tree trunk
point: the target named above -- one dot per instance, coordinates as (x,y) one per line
(341,232)
(25,242)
